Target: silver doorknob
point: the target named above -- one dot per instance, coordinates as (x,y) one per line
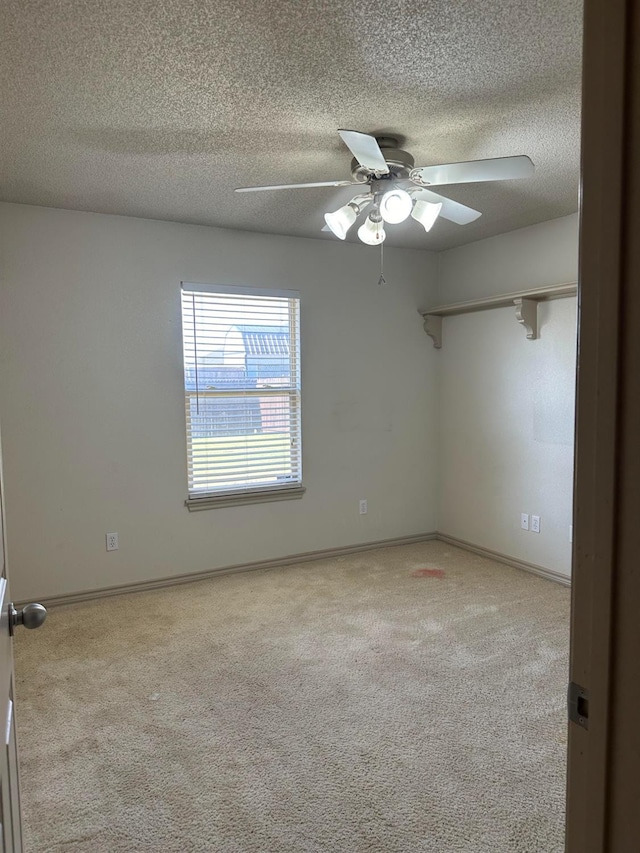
(31,616)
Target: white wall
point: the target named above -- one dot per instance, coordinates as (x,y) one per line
(91,401)
(537,256)
(91,404)
(506,403)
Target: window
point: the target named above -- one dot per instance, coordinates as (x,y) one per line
(242,394)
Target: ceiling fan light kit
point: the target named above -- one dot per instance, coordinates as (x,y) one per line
(395,206)
(341,220)
(397,187)
(426,213)
(372,231)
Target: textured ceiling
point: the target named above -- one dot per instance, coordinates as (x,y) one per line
(159,108)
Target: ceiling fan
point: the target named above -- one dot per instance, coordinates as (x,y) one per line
(392,188)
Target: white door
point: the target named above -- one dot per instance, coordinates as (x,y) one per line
(603,805)
(31,617)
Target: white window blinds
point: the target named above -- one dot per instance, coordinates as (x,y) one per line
(242,389)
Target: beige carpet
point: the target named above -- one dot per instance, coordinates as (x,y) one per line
(343,705)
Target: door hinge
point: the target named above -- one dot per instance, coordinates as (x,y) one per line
(578,703)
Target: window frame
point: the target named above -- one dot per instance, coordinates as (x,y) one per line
(250,494)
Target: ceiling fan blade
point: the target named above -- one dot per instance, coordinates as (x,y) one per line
(496,169)
(451,210)
(297,186)
(366,150)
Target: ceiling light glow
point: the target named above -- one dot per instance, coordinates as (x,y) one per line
(395,206)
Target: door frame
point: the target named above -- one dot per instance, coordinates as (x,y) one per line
(602,813)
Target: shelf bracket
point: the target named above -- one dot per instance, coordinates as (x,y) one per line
(527,314)
(433,327)
(524,301)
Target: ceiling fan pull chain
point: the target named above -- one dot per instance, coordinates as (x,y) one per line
(382,280)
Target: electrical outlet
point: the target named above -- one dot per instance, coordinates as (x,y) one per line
(524,520)
(535,523)
(363,507)
(112,541)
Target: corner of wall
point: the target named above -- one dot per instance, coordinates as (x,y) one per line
(504,403)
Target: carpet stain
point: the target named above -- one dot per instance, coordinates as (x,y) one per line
(428,573)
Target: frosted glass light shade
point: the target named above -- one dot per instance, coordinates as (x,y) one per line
(342,219)
(395,206)
(426,213)
(372,233)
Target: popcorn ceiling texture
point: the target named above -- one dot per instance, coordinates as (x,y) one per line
(159,109)
(341,705)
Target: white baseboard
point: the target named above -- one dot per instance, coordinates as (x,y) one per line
(291,559)
(549,574)
(308,556)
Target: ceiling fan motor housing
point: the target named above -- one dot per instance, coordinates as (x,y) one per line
(400,162)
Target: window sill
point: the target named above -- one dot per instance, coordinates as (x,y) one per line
(244,498)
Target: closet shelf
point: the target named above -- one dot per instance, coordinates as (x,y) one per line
(525,303)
